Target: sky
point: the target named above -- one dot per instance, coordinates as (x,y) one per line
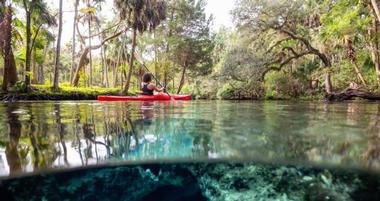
(220,9)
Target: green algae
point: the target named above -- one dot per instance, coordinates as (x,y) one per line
(257,182)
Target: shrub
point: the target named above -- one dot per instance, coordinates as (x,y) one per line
(241,91)
(205,88)
(284,86)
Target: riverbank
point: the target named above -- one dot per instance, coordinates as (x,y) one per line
(44,92)
(66,92)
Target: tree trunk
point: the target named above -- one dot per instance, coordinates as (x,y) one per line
(165,78)
(328,85)
(350,93)
(10,71)
(156,70)
(121,79)
(34,66)
(106,80)
(124,57)
(124,72)
(89,41)
(168,50)
(118,57)
(374,48)
(141,73)
(376,9)
(182,82)
(103,63)
(326,61)
(114,75)
(139,77)
(58,51)
(83,59)
(359,74)
(117,66)
(82,62)
(74,42)
(41,78)
(28,40)
(126,87)
(352,57)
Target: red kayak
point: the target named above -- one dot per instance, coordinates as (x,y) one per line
(158,97)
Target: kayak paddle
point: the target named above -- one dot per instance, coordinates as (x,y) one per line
(158,82)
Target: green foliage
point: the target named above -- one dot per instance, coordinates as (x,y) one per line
(241,91)
(205,87)
(192,41)
(347,17)
(283,86)
(88,10)
(20,86)
(278,49)
(2,8)
(65,88)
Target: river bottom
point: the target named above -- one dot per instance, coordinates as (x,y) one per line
(219,181)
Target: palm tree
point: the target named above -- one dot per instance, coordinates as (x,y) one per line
(34,9)
(74,37)
(10,71)
(58,50)
(89,19)
(88,15)
(141,15)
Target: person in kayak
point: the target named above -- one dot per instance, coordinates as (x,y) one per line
(147,87)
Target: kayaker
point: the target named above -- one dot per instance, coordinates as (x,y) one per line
(147,87)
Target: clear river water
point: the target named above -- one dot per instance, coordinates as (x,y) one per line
(42,137)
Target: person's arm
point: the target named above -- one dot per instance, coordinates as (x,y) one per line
(155,88)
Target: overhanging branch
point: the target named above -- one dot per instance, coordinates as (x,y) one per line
(277,44)
(285,62)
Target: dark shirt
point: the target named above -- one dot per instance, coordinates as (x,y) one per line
(146,91)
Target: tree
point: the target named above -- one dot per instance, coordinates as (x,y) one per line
(342,25)
(58,50)
(74,39)
(10,71)
(192,45)
(141,15)
(374,47)
(83,58)
(34,9)
(294,34)
(88,16)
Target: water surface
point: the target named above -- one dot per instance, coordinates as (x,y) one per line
(37,136)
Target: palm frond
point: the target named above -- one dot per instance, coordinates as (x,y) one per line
(142,15)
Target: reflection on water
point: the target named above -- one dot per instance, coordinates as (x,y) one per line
(37,136)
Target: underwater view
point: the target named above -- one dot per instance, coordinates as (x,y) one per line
(198,150)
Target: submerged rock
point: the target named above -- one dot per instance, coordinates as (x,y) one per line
(120,183)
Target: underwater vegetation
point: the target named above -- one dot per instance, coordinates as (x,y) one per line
(195,181)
